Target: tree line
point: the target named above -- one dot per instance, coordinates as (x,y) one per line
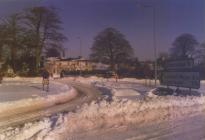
(26,36)
(32,33)
(111,47)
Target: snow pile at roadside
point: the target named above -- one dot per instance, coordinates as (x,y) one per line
(97,116)
(28,131)
(124,112)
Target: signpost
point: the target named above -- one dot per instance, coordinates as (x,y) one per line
(179,64)
(180,73)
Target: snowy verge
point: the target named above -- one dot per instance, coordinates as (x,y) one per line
(64,93)
(23,79)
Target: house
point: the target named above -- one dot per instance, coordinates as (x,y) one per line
(57,65)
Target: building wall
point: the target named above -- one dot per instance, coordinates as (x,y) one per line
(56,66)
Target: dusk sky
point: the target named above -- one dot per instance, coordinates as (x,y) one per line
(86,18)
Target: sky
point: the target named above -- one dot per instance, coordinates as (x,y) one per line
(86,18)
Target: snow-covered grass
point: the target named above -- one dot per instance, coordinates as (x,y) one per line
(23,80)
(25,105)
(64,94)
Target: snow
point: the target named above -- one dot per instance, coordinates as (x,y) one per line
(120,113)
(104,115)
(63,93)
(125,92)
(27,89)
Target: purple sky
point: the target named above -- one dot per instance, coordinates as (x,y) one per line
(85,18)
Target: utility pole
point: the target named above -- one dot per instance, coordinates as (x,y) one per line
(80,55)
(154,39)
(80,45)
(155,45)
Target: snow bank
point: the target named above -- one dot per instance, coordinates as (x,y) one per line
(27,131)
(124,112)
(97,116)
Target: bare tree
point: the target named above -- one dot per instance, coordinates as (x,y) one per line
(201,53)
(184,46)
(44,28)
(13,36)
(110,46)
(1,40)
(53,52)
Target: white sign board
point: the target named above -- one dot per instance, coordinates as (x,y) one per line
(179,64)
(181,79)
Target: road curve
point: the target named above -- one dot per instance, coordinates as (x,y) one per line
(86,94)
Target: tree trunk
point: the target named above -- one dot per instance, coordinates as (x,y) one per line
(0,53)
(13,58)
(37,60)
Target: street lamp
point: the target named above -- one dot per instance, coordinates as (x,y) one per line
(80,43)
(154,38)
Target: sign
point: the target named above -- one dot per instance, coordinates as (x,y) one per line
(181,79)
(181,73)
(179,64)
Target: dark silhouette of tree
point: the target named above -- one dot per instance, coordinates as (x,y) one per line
(52,52)
(2,35)
(43,30)
(146,69)
(129,67)
(201,53)
(25,36)
(13,37)
(110,46)
(184,46)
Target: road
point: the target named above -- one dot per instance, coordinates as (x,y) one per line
(86,94)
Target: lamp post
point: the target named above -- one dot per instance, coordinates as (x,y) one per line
(80,45)
(154,38)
